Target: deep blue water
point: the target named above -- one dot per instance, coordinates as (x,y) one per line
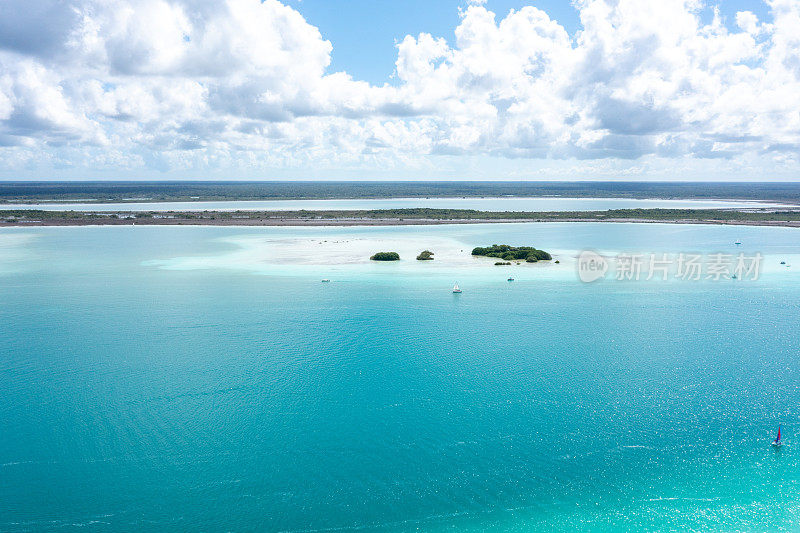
(142,399)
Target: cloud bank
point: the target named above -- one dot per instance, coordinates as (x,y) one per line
(242,88)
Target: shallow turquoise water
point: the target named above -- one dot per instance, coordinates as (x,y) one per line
(142,398)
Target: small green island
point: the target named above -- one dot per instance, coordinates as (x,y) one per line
(425,255)
(385,256)
(510,253)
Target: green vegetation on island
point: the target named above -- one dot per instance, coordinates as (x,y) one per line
(506,252)
(193,191)
(425,255)
(385,256)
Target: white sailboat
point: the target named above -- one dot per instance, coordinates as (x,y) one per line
(456,289)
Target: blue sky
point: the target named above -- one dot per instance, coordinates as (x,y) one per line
(364,33)
(451,89)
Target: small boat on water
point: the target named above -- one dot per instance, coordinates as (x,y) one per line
(738,243)
(456,289)
(777,442)
(510,279)
(326,281)
(783,262)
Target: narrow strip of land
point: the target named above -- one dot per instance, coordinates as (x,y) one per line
(386,217)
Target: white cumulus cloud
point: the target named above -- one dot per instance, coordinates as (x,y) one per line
(220,86)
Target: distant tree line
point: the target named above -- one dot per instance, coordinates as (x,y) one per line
(127,191)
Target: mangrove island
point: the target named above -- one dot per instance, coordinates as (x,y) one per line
(385,256)
(508,253)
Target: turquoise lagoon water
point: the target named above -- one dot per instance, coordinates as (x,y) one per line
(146,389)
(481,204)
